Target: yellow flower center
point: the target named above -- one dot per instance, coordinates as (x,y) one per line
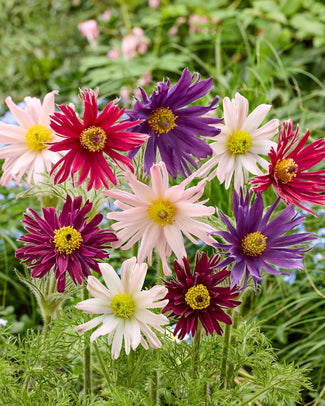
(93,138)
(162,120)
(285,170)
(122,305)
(67,240)
(36,136)
(239,142)
(253,244)
(198,297)
(162,212)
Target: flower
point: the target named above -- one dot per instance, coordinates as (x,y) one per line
(256,243)
(88,140)
(89,29)
(67,242)
(194,296)
(288,169)
(159,216)
(172,127)
(26,149)
(237,147)
(124,308)
(134,43)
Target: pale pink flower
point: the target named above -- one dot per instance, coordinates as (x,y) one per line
(197,23)
(124,308)
(25,147)
(106,15)
(237,148)
(159,216)
(145,79)
(154,4)
(89,29)
(173,31)
(134,43)
(113,54)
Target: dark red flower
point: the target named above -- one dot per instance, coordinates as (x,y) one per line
(89,140)
(288,169)
(194,296)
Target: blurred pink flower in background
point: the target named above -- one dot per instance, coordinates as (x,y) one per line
(134,43)
(154,4)
(89,29)
(113,54)
(173,31)
(106,15)
(145,79)
(197,23)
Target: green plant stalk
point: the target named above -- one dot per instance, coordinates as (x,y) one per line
(87,353)
(196,348)
(160,273)
(48,312)
(125,15)
(154,393)
(224,359)
(102,365)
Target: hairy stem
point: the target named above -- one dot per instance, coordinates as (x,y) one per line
(224,358)
(87,353)
(102,365)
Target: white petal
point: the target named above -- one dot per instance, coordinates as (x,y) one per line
(90,324)
(95,306)
(97,289)
(256,117)
(111,279)
(110,323)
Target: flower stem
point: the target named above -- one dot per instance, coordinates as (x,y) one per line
(224,358)
(154,393)
(135,249)
(160,272)
(125,15)
(196,348)
(102,364)
(87,353)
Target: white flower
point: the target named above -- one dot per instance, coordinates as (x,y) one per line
(124,308)
(25,148)
(237,148)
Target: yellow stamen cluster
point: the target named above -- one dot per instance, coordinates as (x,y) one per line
(93,138)
(123,305)
(253,244)
(36,136)
(285,170)
(239,142)
(198,297)
(67,240)
(162,212)
(162,120)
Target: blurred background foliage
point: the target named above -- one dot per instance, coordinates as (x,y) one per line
(271,51)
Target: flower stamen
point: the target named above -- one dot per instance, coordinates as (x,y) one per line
(198,297)
(93,138)
(36,136)
(285,170)
(123,305)
(67,240)
(239,142)
(162,212)
(253,244)
(162,120)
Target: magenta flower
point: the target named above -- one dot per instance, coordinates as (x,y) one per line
(88,141)
(288,171)
(159,216)
(67,243)
(197,295)
(173,126)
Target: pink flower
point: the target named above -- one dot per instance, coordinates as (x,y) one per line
(134,43)
(145,79)
(106,15)
(197,23)
(154,4)
(173,31)
(89,29)
(159,216)
(90,140)
(26,149)
(113,54)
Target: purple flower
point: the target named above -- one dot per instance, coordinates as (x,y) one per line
(173,127)
(67,242)
(257,243)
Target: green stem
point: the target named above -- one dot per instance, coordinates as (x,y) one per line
(46,310)
(224,359)
(196,348)
(154,393)
(87,353)
(160,273)
(102,365)
(135,249)
(125,15)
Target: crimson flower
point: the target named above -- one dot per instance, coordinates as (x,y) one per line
(288,169)
(87,141)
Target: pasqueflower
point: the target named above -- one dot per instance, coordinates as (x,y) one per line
(256,243)
(124,308)
(68,242)
(25,147)
(288,174)
(88,141)
(172,125)
(237,149)
(197,295)
(159,216)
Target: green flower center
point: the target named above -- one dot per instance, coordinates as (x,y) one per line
(198,297)
(162,212)
(122,305)
(285,170)
(254,244)
(162,120)
(36,136)
(67,240)
(239,142)
(93,138)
